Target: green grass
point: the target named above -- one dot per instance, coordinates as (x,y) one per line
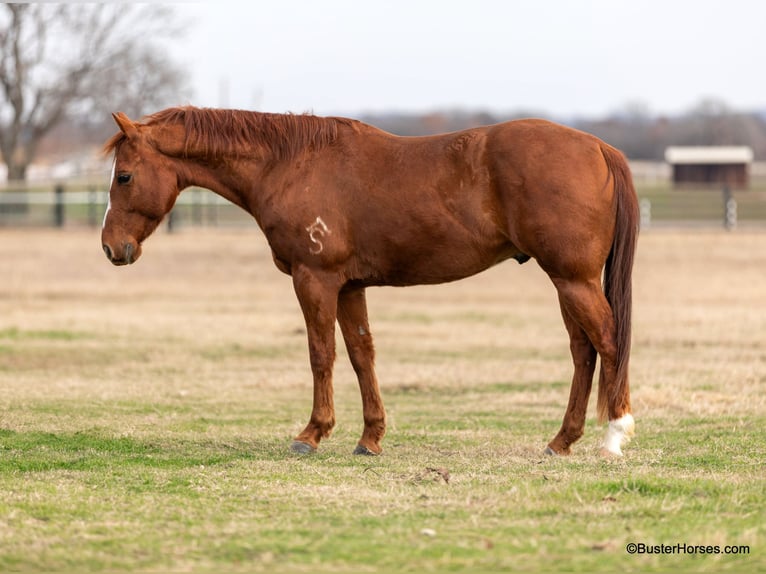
(16,334)
(146,415)
(93,500)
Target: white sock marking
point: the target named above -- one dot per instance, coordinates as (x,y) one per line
(618,433)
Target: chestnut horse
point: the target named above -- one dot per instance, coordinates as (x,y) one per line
(345,206)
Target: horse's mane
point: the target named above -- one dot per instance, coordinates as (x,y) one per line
(217,133)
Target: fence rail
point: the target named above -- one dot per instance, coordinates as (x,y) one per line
(702,208)
(59,207)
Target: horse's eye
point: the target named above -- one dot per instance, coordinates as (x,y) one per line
(124,178)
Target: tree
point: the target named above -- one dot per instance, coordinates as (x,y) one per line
(63,59)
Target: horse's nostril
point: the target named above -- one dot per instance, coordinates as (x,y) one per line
(108,251)
(129,253)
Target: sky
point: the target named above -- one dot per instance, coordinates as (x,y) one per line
(554,57)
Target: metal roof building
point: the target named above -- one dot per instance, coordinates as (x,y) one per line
(710,166)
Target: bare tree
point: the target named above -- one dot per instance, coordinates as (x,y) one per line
(59,59)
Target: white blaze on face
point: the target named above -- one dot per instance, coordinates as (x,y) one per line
(109,194)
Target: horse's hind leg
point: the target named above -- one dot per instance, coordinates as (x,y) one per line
(584,358)
(352,316)
(587,307)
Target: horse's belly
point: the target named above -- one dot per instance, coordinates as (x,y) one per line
(437,261)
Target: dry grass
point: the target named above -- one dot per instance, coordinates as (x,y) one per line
(134,400)
(698,320)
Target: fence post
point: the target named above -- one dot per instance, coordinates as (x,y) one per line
(58,205)
(645,206)
(92,206)
(212,209)
(171,219)
(197,207)
(729,209)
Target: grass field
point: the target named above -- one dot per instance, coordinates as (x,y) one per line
(146,414)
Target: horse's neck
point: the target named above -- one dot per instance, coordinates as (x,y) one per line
(227,179)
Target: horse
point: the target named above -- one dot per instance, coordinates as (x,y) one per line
(345,206)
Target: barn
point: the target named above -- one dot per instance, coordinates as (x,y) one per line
(710,166)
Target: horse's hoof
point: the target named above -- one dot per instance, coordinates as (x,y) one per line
(299,447)
(364,451)
(550,452)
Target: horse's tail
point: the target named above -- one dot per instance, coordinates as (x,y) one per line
(617,276)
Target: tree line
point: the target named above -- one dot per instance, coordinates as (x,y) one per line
(638,133)
(65,67)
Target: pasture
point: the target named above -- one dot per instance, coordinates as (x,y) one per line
(146,414)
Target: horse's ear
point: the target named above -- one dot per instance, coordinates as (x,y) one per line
(126,125)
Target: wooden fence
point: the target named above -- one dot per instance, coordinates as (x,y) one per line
(60,206)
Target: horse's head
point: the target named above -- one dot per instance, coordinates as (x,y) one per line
(143,190)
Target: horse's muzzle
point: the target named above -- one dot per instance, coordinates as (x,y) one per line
(129,253)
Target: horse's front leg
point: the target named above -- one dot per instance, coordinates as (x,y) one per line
(352,316)
(318,297)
